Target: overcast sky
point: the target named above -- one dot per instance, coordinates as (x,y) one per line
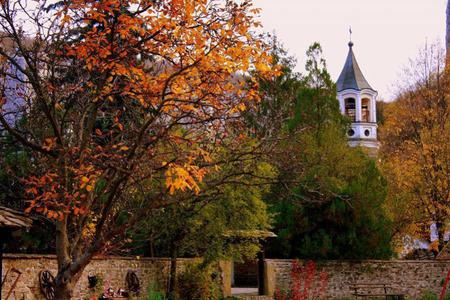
(386,33)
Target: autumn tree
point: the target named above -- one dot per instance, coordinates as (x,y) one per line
(416,146)
(117,94)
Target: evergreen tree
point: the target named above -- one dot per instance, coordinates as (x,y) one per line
(328,202)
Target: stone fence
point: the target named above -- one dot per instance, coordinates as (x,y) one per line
(411,278)
(112,271)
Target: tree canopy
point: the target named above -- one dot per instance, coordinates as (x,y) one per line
(117,94)
(416,147)
(330,196)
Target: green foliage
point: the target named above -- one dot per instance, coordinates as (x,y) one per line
(329,202)
(337,206)
(15,163)
(202,225)
(429,295)
(350,225)
(279,96)
(316,104)
(154,293)
(199,283)
(37,240)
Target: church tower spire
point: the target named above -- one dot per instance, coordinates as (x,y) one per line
(357,100)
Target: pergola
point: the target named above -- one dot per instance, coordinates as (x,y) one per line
(10,221)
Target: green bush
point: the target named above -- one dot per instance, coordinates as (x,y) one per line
(153,293)
(428,295)
(198,283)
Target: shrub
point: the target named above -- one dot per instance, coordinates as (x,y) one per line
(429,295)
(154,293)
(197,282)
(305,283)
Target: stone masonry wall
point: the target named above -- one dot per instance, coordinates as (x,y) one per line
(112,271)
(411,278)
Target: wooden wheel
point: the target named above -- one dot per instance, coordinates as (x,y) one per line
(47,284)
(132,282)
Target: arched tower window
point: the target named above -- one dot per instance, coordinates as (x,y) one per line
(350,108)
(365,110)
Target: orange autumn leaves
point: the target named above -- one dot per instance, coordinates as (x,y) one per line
(187,176)
(184,178)
(54,199)
(150,68)
(49,144)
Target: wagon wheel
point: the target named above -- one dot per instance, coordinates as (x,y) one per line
(47,284)
(132,282)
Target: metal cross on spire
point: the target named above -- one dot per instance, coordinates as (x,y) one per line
(350,43)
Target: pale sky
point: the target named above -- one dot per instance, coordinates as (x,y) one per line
(386,33)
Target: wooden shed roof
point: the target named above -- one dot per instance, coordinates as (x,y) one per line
(13,219)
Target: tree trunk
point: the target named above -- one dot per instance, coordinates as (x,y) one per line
(69,268)
(173,273)
(440,228)
(65,283)
(64,291)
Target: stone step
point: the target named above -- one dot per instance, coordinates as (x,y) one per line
(248,293)
(250,297)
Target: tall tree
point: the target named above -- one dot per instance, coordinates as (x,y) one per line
(279,93)
(416,145)
(117,94)
(329,195)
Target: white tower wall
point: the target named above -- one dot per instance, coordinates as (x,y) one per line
(357,100)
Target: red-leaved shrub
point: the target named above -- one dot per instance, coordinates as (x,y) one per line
(305,283)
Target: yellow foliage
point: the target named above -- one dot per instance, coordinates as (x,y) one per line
(416,155)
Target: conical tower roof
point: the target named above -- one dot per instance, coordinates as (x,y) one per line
(351,76)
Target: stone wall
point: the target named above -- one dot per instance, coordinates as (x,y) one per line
(411,278)
(112,270)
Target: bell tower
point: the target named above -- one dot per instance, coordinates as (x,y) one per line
(357,100)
